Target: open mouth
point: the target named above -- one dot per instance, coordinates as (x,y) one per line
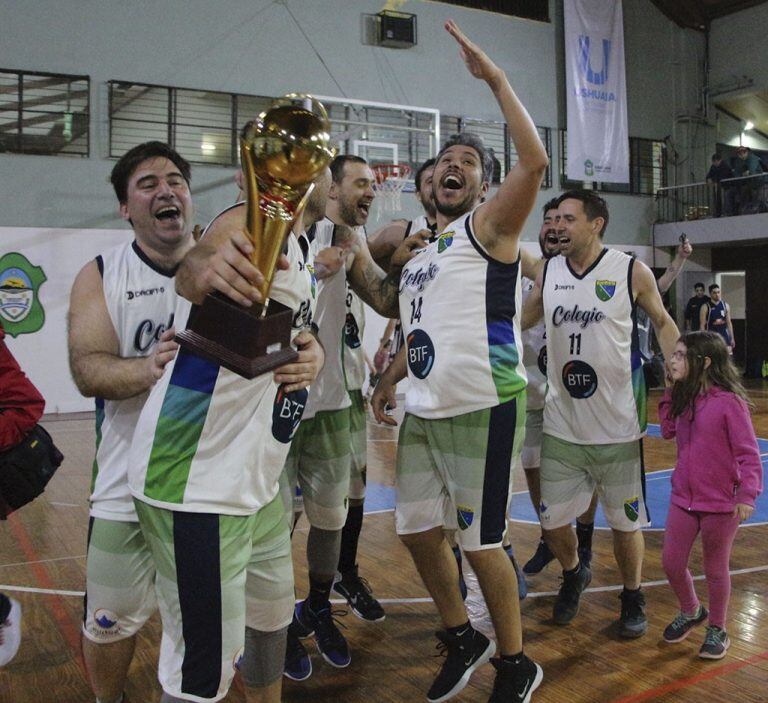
(552,240)
(364,207)
(452,182)
(170,212)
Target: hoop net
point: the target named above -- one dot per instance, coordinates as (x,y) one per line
(390,181)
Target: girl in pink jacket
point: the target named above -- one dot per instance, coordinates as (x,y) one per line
(717,478)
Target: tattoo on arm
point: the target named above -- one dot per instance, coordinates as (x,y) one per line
(379,290)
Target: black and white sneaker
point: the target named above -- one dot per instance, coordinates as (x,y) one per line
(515,682)
(567,602)
(359,595)
(464,653)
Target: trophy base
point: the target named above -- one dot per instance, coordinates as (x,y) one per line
(238,338)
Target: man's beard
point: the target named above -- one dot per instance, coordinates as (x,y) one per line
(457,209)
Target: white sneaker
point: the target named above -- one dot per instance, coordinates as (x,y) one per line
(10,634)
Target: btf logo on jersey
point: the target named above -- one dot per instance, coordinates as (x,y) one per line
(421,353)
(351,332)
(579,379)
(287,412)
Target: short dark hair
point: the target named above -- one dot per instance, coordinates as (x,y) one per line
(549,205)
(129,161)
(713,286)
(429,163)
(473,141)
(717,156)
(594,206)
(698,285)
(338,164)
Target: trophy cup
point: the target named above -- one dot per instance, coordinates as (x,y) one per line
(282,152)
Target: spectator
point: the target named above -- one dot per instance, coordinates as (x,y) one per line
(718,171)
(716,317)
(693,308)
(742,197)
(21,406)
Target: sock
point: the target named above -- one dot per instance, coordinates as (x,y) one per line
(350,534)
(572,572)
(319,593)
(584,532)
(632,590)
(508,550)
(513,658)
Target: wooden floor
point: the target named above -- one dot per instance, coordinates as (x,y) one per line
(42,565)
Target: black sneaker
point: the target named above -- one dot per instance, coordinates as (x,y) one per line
(632,622)
(542,556)
(515,682)
(330,642)
(358,593)
(463,655)
(682,625)
(716,643)
(298,666)
(567,603)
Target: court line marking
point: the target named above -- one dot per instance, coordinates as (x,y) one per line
(406,601)
(653,693)
(42,561)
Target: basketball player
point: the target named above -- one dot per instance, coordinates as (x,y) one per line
(205,461)
(328,456)
(459,305)
(594,414)
(120,340)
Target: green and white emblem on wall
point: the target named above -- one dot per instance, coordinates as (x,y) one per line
(20,308)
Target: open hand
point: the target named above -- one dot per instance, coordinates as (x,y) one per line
(475,59)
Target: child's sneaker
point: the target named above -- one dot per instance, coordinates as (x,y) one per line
(716,643)
(682,625)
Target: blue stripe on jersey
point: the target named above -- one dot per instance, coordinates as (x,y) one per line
(198,578)
(502,426)
(194,373)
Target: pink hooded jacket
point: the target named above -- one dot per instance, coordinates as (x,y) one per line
(718,462)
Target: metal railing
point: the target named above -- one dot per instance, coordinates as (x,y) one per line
(746,195)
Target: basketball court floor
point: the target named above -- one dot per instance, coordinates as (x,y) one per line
(42,564)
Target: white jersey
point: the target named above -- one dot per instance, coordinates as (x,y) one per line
(140,299)
(596,392)
(211,441)
(459,309)
(329,391)
(534,356)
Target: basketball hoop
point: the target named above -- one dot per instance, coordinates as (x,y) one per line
(390,181)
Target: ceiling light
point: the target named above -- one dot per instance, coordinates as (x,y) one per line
(207,147)
(749,125)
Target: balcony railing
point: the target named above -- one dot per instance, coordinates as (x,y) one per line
(747,195)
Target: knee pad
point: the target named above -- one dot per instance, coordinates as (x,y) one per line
(263,657)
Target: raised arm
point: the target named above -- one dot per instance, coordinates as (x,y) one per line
(673,270)
(94,358)
(499,221)
(649,299)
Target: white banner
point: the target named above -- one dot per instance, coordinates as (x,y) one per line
(37,269)
(598,143)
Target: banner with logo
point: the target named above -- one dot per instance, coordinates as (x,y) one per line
(598,143)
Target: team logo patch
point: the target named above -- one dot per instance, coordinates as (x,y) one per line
(605,289)
(286,413)
(542,360)
(579,379)
(632,508)
(313,280)
(20,308)
(543,514)
(237,660)
(464,516)
(106,620)
(444,241)
(421,353)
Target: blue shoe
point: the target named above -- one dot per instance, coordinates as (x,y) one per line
(539,560)
(330,642)
(522,585)
(297,627)
(298,666)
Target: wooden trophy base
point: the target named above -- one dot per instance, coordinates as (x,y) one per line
(239,338)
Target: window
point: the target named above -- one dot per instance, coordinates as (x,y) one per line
(495,136)
(529,9)
(647,168)
(44,113)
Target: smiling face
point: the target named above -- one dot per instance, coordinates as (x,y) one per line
(548,240)
(678,362)
(158,204)
(458,182)
(354,194)
(425,195)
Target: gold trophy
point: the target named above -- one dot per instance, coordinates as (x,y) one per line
(282,152)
